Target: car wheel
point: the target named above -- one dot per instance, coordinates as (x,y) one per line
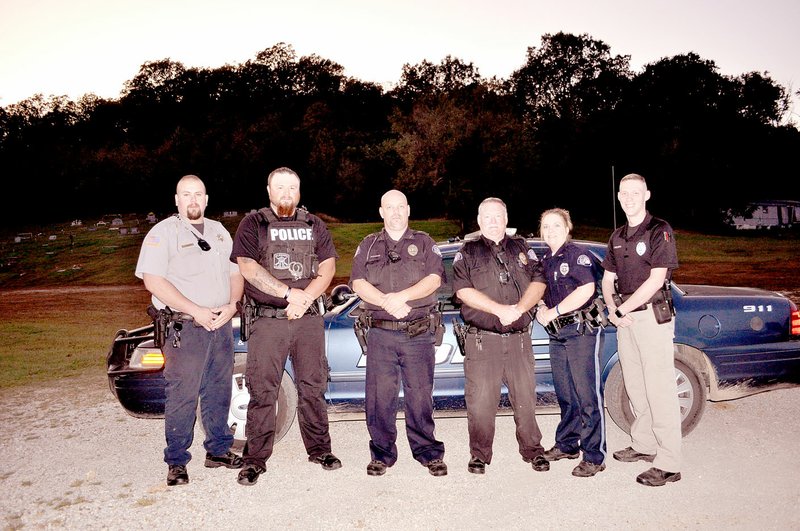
(692,396)
(240,398)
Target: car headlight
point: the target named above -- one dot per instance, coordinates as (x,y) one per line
(146,358)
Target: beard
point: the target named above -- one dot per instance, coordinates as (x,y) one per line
(194,213)
(285,207)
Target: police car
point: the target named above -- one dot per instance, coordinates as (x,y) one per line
(729,342)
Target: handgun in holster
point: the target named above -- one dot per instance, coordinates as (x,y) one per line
(595,315)
(460,331)
(361,328)
(161,320)
(247,314)
(663,307)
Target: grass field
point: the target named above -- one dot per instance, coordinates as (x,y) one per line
(63,299)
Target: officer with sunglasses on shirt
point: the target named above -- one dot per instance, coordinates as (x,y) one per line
(185,264)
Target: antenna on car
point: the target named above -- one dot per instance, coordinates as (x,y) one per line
(613,197)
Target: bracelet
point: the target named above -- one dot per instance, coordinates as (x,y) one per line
(618,313)
(286,295)
(558,313)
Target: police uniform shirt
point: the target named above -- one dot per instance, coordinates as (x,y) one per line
(631,257)
(246,245)
(476,266)
(171,250)
(566,270)
(394,266)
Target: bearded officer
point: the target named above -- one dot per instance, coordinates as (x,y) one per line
(287,258)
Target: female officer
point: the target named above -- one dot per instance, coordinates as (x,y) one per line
(574,351)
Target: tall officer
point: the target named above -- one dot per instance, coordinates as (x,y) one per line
(396,273)
(287,258)
(499,279)
(184,262)
(574,350)
(640,259)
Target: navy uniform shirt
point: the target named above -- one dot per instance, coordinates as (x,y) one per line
(566,270)
(393,266)
(632,257)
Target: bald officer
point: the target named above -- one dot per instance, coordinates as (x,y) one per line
(396,272)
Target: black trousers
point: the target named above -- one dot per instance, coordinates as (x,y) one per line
(271,341)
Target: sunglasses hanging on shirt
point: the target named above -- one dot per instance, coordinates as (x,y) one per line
(202,243)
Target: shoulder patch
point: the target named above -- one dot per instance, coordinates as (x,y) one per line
(457,257)
(532,255)
(153,240)
(436,250)
(584,260)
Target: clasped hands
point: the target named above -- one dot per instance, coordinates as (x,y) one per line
(508,313)
(396,305)
(299,302)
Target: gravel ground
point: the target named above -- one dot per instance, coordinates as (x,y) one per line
(73,459)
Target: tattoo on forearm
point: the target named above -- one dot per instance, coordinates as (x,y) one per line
(268,284)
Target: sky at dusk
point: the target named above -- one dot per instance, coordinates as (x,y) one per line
(59,47)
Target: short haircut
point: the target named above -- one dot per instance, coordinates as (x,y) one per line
(493,200)
(633,177)
(282,169)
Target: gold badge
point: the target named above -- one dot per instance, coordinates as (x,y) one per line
(523,259)
(412,250)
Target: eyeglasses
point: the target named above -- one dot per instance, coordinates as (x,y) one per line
(394,256)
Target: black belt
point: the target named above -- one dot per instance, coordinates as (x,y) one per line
(279,313)
(181,317)
(564,320)
(476,330)
(395,325)
(638,309)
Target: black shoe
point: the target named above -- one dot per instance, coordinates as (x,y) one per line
(585,469)
(540,464)
(376,468)
(629,455)
(177,475)
(328,461)
(476,466)
(555,453)
(437,467)
(655,477)
(249,474)
(229,460)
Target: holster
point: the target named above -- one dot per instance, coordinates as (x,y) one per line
(663,308)
(460,331)
(595,315)
(247,314)
(161,320)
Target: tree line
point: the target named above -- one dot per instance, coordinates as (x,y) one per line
(553,133)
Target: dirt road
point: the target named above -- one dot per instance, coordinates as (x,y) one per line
(72,459)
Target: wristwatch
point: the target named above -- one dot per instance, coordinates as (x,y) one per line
(618,313)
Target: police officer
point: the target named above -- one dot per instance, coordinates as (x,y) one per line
(396,273)
(499,279)
(288,259)
(641,257)
(185,264)
(574,350)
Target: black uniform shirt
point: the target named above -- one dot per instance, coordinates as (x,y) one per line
(501,271)
(632,257)
(246,244)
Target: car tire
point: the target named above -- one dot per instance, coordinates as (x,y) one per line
(240,398)
(692,396)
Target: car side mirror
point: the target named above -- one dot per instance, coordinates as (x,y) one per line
(341,294)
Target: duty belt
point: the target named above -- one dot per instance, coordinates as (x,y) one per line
(181,317)
(395,325)
(279,313)
(638,308)
(476,330)
(564,320)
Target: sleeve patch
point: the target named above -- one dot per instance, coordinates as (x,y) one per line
(584,260)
